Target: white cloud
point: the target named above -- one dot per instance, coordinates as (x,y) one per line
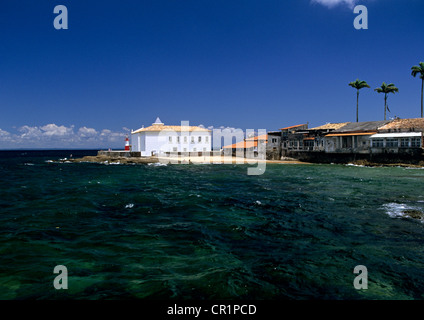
(60,136)
(30,132)
(53,130)
(85,132)
(4,135)
(333,3)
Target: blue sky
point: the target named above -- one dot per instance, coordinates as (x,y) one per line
(246,64)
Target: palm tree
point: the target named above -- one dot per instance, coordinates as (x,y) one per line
(386,89)
(358,85)
(419,70)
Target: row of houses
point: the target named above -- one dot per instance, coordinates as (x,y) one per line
(398,136)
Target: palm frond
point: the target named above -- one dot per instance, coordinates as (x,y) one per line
(359,84)
(418,70)
(387,88)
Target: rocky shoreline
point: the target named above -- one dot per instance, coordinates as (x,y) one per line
(367,163)
(111,160)
(146,160)
(105,159)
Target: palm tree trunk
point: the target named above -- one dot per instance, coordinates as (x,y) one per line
(422,89)
(357,106)
(385,105)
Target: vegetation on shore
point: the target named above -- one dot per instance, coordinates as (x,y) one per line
(358,85)
(420,70)
(390,88)
(386,89)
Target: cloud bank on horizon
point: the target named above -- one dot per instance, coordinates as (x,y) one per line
(54,136)
(334,3)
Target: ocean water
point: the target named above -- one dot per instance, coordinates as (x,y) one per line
(207,231)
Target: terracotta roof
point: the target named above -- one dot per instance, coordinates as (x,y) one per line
(261,137)
(242,145)
(292,127)
(330,126)
(161,127)
(247,143)
(405,124)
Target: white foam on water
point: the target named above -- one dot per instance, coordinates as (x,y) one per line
(397,210)
(356,165)
(157,164)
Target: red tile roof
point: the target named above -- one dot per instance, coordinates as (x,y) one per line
(247,143)
(261,137)
(242,145)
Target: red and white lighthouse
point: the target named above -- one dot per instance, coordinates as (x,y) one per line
(127,144)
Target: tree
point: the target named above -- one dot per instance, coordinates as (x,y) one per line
(419,70)
(386,89)
(358,85)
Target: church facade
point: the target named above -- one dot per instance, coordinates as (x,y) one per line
(160,138)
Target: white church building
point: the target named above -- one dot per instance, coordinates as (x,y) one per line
(160,138)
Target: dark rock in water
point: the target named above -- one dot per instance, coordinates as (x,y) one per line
(414,214)
(114,160)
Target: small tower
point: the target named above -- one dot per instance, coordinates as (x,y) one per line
(157,122)
(127,143)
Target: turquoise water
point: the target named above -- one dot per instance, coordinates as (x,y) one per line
(207,232)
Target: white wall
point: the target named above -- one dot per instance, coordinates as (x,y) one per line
(149,141)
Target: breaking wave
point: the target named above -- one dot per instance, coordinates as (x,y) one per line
(402,210)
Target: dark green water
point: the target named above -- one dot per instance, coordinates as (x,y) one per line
(207,232)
